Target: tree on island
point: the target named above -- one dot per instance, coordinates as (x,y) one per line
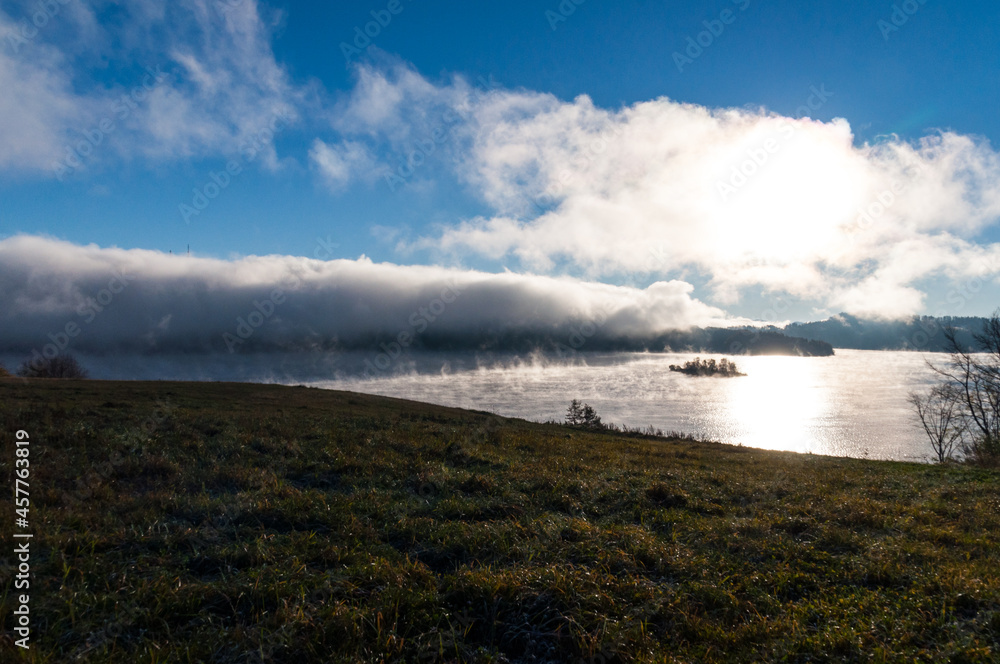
(723,368)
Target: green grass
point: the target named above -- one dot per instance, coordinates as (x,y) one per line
(179,522)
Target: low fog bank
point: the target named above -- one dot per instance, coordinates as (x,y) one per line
(58,296)
(294,368)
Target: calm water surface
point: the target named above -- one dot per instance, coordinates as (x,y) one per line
(852,404)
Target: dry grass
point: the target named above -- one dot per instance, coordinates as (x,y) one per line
(245,523)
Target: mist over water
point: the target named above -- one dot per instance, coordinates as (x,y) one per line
(853,404)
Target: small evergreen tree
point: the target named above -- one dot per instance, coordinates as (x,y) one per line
(591,419)
(574,414)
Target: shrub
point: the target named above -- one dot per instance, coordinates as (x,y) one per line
(3,372)
(60,366)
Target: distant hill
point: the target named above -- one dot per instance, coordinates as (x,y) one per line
(921,333)
(746,341)
(728,341)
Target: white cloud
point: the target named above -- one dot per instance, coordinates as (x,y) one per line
(228,86)
(224,87)
(406,121)
(342,163)
(395,103)
(750,199)
(38,106)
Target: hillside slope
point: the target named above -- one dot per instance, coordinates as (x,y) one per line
(209,522)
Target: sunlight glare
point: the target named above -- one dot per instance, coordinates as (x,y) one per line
(778,403)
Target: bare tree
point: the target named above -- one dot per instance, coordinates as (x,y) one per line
(972,380)
(940,415)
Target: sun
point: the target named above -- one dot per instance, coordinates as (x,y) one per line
(798,187)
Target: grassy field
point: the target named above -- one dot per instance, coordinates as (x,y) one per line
(211,522)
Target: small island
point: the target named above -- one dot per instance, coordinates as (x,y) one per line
(723,368)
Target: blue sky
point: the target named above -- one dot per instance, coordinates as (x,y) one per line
(888,76)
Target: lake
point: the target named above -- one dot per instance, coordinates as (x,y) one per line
(852,404)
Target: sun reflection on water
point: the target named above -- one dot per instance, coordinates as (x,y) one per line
(777,405)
